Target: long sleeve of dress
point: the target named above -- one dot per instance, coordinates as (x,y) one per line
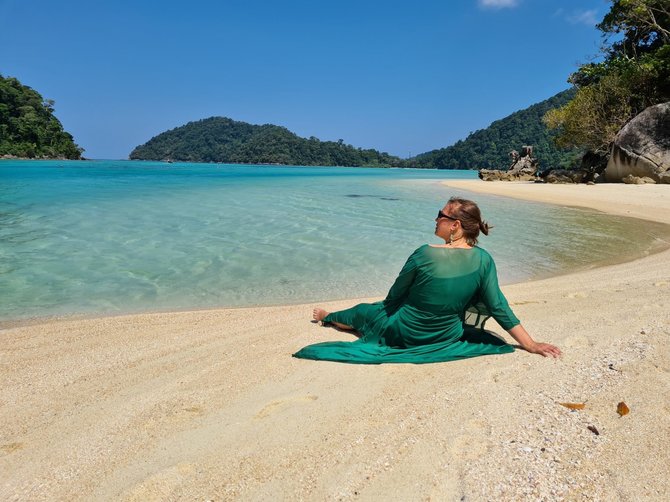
(400,288)
(493,298)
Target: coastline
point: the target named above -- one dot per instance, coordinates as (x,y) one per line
(209,404)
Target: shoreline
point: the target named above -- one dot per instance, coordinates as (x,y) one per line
(209,404)
(604,197)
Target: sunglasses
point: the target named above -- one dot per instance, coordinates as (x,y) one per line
(440,214)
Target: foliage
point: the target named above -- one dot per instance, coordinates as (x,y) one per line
(644,24)
(634,75)
(593,117)
(220,139)
(489,148)
(28,127)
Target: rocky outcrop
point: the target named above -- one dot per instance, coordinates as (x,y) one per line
(523,168)
(642,148)
(636,180)
(565,176)
(590,171)
(497,175)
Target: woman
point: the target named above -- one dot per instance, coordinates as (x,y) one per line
(423,318)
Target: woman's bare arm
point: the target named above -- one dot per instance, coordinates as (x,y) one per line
(520,334)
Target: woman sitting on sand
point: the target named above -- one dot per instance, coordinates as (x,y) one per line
(423,318)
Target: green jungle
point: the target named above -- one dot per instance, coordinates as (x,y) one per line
(28,126)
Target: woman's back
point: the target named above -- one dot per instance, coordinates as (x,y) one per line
(446,279)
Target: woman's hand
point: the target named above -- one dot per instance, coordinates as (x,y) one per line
(544,349)
(527,343)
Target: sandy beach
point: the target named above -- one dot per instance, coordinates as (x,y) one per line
(210,405)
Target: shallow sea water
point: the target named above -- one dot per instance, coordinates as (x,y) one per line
(101,237)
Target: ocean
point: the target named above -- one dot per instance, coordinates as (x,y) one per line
(107,237)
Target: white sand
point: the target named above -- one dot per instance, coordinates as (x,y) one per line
(648,202)
(210,405)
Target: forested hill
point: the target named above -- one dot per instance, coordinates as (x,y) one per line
(28,127)
(220,139)
(489,148)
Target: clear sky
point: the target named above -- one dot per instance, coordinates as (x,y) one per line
(400,76)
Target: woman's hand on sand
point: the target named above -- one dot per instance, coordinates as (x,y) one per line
(544,349)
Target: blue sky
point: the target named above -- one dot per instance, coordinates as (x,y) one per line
(400,76)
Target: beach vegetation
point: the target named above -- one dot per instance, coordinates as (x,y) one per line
(593,117)
(633,75)
(28,126)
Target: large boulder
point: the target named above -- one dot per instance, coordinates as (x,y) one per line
(641,149)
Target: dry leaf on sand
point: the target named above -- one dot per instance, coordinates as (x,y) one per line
(622,409)
(574,406)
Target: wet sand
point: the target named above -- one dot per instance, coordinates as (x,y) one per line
(210,405)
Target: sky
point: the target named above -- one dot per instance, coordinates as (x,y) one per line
(403,77)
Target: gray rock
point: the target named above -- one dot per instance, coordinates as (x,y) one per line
(564,176)
(641,148)
(496,175)
(523,168)
(636,180)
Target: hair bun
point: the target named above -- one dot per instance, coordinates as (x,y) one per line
(484,227)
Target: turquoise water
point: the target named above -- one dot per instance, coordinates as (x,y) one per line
(120,236)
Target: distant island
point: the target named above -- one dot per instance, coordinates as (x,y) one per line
(221,139)
(28,126)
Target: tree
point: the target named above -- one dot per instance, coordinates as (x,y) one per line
(645,25)
(28,127)
(634,74)
(593,117)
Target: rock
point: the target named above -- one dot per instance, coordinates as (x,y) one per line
(636,180)
(496,175)
(590,170)
(593,164)
(564,176)
(641,148)
(523,168)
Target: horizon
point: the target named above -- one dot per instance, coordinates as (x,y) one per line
(123,74)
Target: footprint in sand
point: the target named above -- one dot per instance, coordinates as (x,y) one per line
(282,404)
(466,447)
(661,284)
(578,294)
(196,410)
(161,485)
(470,445)
(11,447)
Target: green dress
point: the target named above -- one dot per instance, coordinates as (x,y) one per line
(433,312)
